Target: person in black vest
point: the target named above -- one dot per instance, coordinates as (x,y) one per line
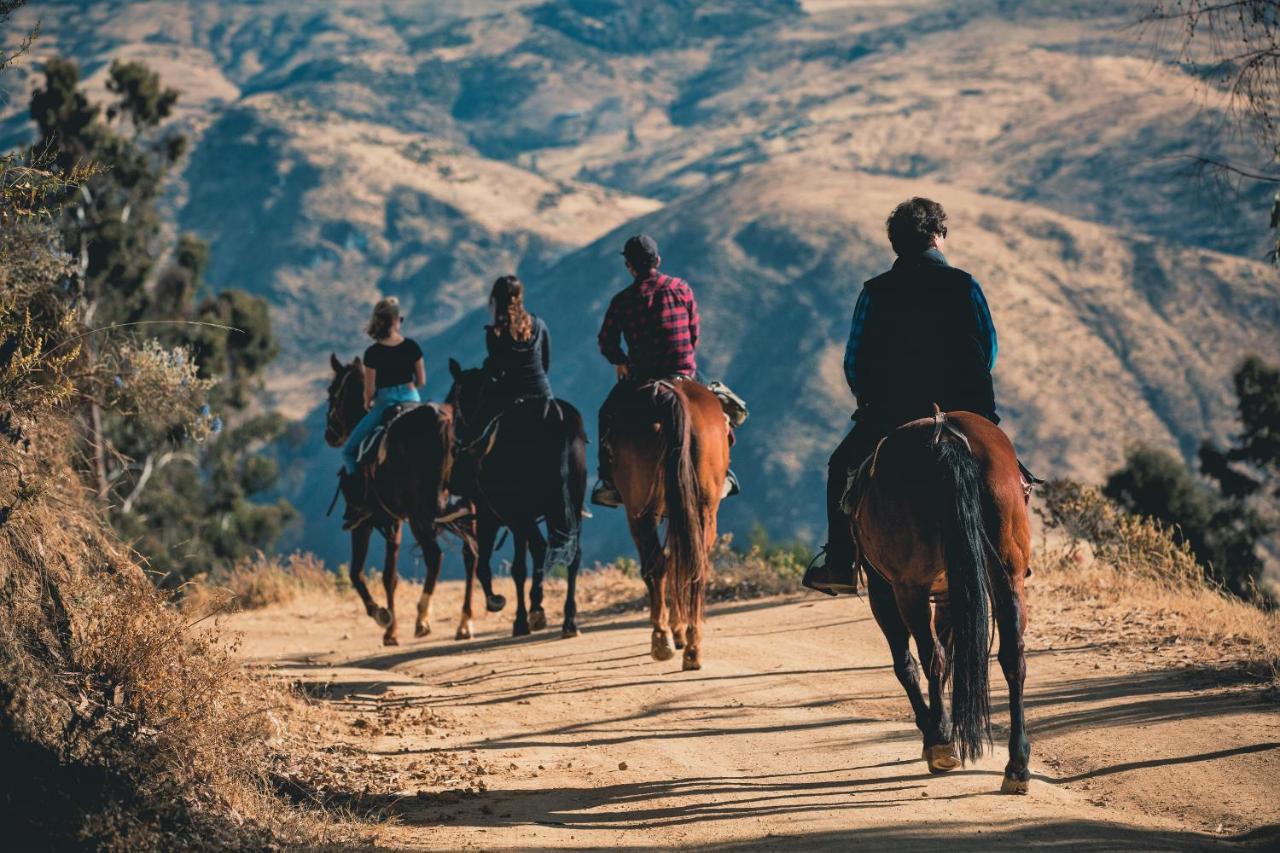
(921,334)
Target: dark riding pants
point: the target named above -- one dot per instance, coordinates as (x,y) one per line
(849,454)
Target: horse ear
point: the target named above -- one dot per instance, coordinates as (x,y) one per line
(334,363)
(455,369)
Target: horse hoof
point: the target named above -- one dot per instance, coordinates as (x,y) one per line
(691,663)
(1013,786)
(537,619)
(941,758)
(661,648)
(679,641)
(494,603)
(464,632)
(520,629)
(390,641)
(382,617)
(569,631)
(421,630)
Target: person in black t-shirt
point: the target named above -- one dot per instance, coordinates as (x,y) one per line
(393,373)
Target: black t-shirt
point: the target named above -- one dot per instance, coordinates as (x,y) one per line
(393,365)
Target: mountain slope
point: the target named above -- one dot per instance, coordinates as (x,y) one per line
(344,149)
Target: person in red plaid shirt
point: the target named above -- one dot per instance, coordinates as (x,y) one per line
(657,315)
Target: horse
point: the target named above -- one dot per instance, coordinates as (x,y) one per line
(524,464)
(939,512)
(669,445)
(411,486)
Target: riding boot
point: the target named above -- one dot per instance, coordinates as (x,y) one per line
(833,570)
(605,493)
(355,491)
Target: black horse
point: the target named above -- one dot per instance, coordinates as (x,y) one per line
(412,485)
(524,465)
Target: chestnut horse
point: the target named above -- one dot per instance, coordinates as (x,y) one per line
(670,449)
(412,485)
(939,513)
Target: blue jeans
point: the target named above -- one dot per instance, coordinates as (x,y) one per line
(384,399)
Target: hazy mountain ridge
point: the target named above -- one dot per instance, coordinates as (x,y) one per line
(343,149)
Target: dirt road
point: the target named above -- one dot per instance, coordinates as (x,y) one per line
(794,736)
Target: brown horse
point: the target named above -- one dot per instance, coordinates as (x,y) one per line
(411,486)
(940,513)
(670,449)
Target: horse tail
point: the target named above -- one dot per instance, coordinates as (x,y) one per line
(966,547)
(564,522)
(686,551)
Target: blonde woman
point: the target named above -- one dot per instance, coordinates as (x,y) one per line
(393,373)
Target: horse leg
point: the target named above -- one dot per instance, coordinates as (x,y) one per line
(486,529)
(678,634)
(570,625)
(697,596)
(492,601)
(653,569)
(519,574)
(359,552)
(939,753)
(885,609)
(389,580)
(432,557)
(1010,622)
(537,546)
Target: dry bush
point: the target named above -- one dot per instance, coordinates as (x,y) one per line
(261,581)
(1133,545)
(761,571)
(120,727)
(1131,573)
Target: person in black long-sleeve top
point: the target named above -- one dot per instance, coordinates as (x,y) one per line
(519,347)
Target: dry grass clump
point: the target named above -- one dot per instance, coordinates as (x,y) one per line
(261,581)
(1132,574)
(121,728)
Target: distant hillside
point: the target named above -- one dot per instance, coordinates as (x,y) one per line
(342,149)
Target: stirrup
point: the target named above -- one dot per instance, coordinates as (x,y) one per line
(817,577)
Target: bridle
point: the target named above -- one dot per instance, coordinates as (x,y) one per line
(333,420)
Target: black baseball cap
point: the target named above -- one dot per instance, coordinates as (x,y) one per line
(641,251)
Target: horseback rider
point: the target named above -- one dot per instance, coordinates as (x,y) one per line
(921,334)
(519,348)
(658,317)
(393,373)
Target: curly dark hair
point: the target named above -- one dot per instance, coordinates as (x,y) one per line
(509,314)
(913,225)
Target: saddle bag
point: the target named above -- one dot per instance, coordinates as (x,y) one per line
(735,408)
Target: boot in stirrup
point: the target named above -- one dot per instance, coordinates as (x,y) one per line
(355,492)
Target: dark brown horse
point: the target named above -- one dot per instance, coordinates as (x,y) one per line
(670,448)
(411,485)
(527,463)
(940,513)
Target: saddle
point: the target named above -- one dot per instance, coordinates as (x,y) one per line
(372,451)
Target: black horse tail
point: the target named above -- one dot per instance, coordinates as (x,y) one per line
(686,548)
(966,548)
(564,522)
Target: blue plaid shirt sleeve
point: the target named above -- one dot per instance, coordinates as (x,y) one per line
(986,326)
(855,339)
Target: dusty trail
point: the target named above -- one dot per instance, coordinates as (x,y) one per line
(794,736)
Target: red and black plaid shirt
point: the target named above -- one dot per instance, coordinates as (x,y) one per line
(659,319)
